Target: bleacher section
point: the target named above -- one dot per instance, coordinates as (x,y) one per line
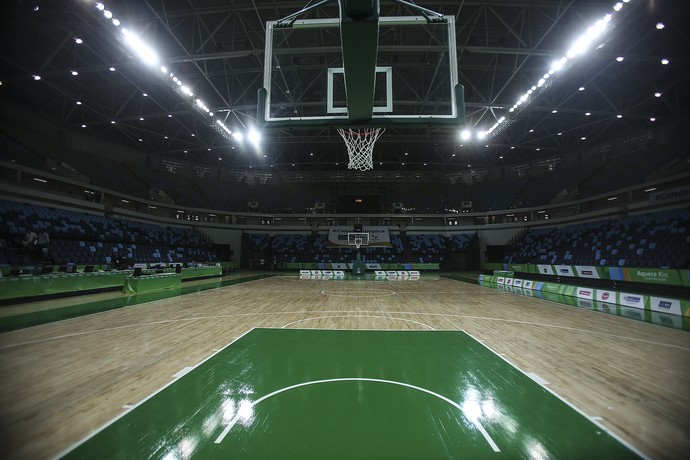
(79,238)
(293,248)
(659,240)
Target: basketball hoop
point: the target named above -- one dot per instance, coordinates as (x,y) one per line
(360,146)
(358,242)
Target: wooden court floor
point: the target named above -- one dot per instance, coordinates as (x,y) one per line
(62,381)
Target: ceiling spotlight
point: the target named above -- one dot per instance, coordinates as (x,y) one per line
(36,77)
(652,119)
(164,69)
(141,140)
(617,6)
(665,61)
(74,73)
(481,135)
(112,122)
(107,14)
(116,22)
(186,151)
(620,58)
(537,149)
(588,114)
(660,25)
(36,8)
(145,94)
(501,157)
(512,148)
(581,88)
(559,134)
(169,116)
(78,41)
(554,111)
(78,102)
(112,69)
(619,116)
(141,118)
(657,94)
(83,126)
(531,130)
(583,138)
(100,6)
(465,134)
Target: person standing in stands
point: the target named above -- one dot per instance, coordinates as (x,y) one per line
(29,241)
(42,243)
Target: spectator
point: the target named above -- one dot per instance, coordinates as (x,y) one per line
(42,243)
(29,241)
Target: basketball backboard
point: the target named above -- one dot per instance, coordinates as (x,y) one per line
(416,78)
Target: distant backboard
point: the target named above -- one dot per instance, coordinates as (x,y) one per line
(416,78)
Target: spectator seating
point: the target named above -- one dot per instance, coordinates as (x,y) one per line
(82,238)
(658,240)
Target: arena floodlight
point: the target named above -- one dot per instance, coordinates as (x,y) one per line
(617,6)
(78,41)
(36,77)
(481,135)
(465,134)
(116,22)
(145,53)
(665,61)
(100,6)
(239,137)
(107,14)
(254,137)
(660,26)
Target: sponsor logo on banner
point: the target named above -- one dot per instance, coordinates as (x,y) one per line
(373,266)
(585,293)
(632,300)
(666,305)
(509,281)
(517,282)
(606,296)
(564,270)
(680,193)
(545,269)
(527,284)
(587,272)
(501,280)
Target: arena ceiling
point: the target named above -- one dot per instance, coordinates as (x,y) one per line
(216,48)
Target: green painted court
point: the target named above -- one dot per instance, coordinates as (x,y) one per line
(315,394)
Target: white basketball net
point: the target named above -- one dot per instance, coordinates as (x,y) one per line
(360,146)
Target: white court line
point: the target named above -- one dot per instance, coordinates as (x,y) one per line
(182,372)
(577,409)
(358,316)
(448,315)
(132,407)
(534,377)
(366,294)
(475,422)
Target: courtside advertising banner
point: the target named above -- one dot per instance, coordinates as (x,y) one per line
(584,293)
(527,284)
(564,270)
(587,272)
(545,269)
(517,282)
(500,280)
(378,236)
(606,296)
(631,300)
(664,305)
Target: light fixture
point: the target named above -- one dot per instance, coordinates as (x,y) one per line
(107,14)
(36,77)
(660,25)
(465,134)
(116,22)
(112,69)
(583,138)
(652,119)
(620,59)
(554,111)
(619,116)
(83,126)
(78,102)
(588,114)
(141,118)
(581,88)
(665,61)
(100,6)
(112,122)
(657,94)
(74,73)
(78,41)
